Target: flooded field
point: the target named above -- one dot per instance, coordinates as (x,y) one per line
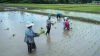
(70,13)
(82,40)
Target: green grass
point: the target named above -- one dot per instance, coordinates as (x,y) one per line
(82,7)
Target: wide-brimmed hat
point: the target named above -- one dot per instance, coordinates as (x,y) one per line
(49,15)
(28,24)
(65,18)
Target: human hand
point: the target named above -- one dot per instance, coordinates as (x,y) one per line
(38,34)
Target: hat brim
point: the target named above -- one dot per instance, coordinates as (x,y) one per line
(29,25)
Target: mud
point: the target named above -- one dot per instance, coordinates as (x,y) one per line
(82,40)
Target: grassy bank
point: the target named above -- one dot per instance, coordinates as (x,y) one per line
(81,7)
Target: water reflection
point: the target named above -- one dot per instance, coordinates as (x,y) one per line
(66,32)
(48,39)
(70,13)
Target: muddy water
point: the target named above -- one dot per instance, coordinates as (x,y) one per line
(69,13)
(82,40)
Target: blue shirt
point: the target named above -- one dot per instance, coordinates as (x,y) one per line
(59,14)
(29,35)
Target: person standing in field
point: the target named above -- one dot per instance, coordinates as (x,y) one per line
(65,18)
(48,24)
(59,15)
(29,36)
(67,23)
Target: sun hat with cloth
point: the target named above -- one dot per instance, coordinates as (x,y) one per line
(49,15)
(65,18)
(28,24)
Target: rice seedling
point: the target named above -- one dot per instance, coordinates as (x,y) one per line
(47,55)
(84,51)
(95,43)
(42,31)
(51,21)
(27,15)
(31,22)
(20,22)
(43,53)
(78,50)
(1,20)
(47,51)
(7,28)
(62,50)
(69,35)
(14,35)
(55,22)
(50,52)
(95,52)
(41,27)
(88,48)
(82,37)
(55,27)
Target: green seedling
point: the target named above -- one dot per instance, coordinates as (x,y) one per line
(55,22)
(43,53)
(42,16)
(62,50)
(31,22)
(78,50)
(47,51)
(95,52)
(89,41)
(84,51)
(14,35)
(41,27)
(95,43)
(27,15)
(82,37)
(55,50)
(71,28)
(20,22)
(69,35)
(42,31)
(7,28)
(1,20)
(55,27)
(51,21)
(50,52)
(47,55)
(88,48)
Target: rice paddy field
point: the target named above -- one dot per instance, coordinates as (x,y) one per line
(82,40)
(82,7)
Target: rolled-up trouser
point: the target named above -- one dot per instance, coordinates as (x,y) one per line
(48,30)
(58,15)
(30,46)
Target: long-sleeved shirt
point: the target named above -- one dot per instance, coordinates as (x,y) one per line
(64,24)
(29,35)
(48,23)
(59,14)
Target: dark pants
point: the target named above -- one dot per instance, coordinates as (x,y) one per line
(58,16)
(30,46)
(48,30)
